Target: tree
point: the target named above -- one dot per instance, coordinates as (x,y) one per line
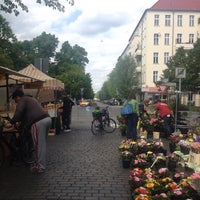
(74,55)
(122,79)
(10,7)
(44,45)
(192,80)
(188,59)
(7,38)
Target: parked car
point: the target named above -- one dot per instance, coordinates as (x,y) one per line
(86,102)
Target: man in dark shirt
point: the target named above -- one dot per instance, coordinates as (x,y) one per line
(66,114)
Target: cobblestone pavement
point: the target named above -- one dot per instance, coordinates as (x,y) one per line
(80,166)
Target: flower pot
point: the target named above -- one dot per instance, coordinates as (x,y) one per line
(172,147)
(172,164)
(126,162)
(123,133)
(185,150)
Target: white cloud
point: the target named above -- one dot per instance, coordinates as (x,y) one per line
(101,27)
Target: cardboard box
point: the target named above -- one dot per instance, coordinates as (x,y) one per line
(194,158)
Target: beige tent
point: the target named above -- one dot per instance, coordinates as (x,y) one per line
(6,74)
(48,82)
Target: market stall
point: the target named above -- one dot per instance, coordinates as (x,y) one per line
(7,74)
(49,84)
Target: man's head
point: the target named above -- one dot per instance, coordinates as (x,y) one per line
(17,94)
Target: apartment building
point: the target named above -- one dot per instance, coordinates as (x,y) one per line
(162,29)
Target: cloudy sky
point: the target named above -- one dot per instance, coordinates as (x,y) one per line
(101,27)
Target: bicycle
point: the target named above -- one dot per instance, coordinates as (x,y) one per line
(19,143)
(102,123)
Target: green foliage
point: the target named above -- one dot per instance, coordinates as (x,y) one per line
(190,60)
(10,7)
(7,38)
(69,65)
(122,80)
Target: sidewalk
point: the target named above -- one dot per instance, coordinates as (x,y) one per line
(81,166)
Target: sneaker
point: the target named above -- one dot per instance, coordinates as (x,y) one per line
(67,130)
(39,171)
(35,169)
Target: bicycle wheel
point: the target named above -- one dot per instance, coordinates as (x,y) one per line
(109,125)
(96,127)
(2,155)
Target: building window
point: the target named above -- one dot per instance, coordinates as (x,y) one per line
(155,58)
(191,20)
(155,76)
(166,38)
(179,38)
(191,38)
(156,20)
(179,20)
(156,39)
(166,57)
(167,20)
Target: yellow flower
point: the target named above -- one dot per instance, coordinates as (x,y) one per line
(180,135)
(150,185)
(167,179)
(190,140)
(133,142)
(149,152)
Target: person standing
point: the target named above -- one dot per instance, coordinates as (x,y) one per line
(30,114)
(66,114)
(132,119)
(165,113)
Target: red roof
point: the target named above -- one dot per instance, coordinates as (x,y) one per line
(182,5)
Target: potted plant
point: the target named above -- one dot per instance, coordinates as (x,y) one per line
(172,162)
(126,158)
(122,124)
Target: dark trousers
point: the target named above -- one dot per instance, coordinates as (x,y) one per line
(66,121)
(167,125)
(132,126)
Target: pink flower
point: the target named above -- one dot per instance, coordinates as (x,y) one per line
(162,170)
(163,195)
(195,175)
(153,120)
(178,192)
(177,175)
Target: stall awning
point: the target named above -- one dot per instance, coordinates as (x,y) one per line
(48,82)
(6,72)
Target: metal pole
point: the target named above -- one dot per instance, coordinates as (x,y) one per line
(175,125)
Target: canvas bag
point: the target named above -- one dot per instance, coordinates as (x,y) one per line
(127,109)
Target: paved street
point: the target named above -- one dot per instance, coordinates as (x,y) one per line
(81,166)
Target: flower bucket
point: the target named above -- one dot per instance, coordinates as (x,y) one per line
(172,164)
(185,150)
(126,162)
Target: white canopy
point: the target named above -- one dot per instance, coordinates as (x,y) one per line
(48,82)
